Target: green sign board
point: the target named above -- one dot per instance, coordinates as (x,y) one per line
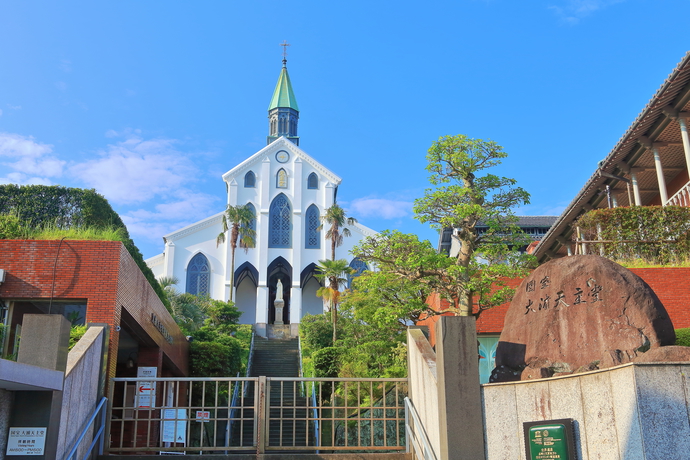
(550,439)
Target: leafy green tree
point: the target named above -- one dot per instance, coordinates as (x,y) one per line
(335,273)
(463,197)
(238,220)
(335,220)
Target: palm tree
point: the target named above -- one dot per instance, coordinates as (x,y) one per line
(335,219)
(335,272)
(238,220)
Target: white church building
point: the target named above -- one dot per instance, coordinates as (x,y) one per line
(288,191)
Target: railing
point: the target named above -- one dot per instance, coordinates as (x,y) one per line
(417,439)
(352,415)
(681,197)
(98,437)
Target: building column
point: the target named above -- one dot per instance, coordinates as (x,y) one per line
(636,187)
(261,307)
(295,307)
(660,176)
(169,262)
(686,141)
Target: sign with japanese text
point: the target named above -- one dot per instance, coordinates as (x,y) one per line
(550,440)
(174,425)
(26,440)
(203,416)
(146,389)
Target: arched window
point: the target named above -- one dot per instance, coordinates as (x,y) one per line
(198,275)
(313,181)
(249,180)
(252,224)
(280,223)
(313,235)
(281,179)
(360,266)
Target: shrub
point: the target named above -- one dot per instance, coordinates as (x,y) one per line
(657,234)
(75,334)
(683,337)
(326,362)
(215,359)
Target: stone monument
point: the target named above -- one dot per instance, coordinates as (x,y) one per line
(279,303)
(579,313)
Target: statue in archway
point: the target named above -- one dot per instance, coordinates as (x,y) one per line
(279,303)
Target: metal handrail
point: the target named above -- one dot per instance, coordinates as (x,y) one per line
(235,393)
(417,434)
(97,437)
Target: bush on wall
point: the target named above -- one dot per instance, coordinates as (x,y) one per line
(62,208)
(656,234)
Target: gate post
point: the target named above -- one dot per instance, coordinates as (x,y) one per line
(262,411)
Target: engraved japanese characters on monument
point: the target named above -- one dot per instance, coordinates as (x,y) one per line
(579,313)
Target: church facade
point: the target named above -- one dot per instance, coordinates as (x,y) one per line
(288,191)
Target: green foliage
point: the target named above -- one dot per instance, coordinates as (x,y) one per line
(316,332)
(75,334)
(326,362)
(11,227)
(62,208)
(658,235)
(335,220)
(215,359)
(683,337)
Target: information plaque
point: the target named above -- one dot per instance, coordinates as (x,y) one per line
(550,439)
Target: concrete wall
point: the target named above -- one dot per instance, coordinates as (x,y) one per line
(6,400)
(423,384)
(630,412)
(80,391)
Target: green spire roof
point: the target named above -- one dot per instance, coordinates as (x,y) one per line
(283,96)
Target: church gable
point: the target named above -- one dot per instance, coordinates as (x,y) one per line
(271,152)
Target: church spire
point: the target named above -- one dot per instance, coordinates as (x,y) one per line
(283,112)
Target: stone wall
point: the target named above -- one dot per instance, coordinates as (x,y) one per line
(80,390)
(630,412)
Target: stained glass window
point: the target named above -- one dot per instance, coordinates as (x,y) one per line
(313,181)
(359,265)
(198,275)
(280,223)
(249,180)
(252,224)
(313,237)
(281,179)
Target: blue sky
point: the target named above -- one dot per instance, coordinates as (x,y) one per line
(149,102)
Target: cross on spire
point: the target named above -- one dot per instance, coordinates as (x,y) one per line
(285,44)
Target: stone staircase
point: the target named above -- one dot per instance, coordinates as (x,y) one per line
(277,358)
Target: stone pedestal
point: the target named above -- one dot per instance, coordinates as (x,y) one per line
(279,304)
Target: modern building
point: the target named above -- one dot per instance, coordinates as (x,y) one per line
(648,166)
(535,227)
(288,191)
(94,282)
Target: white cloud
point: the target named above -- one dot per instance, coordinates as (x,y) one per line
(137,170)
(572,11)
(14,107)
(30,162)
(65,65)
(381,207)
(61,85)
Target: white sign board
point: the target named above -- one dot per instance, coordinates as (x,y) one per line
(146,389)
(26,440)
(174,425)
(203,416)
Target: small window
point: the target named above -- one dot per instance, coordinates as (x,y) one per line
(249,180)
(281,179)
(198,275)
(359,266)
(313,181)
(313,236)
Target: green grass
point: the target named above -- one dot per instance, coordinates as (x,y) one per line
(78,233)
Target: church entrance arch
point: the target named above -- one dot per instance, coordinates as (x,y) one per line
(279,269)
